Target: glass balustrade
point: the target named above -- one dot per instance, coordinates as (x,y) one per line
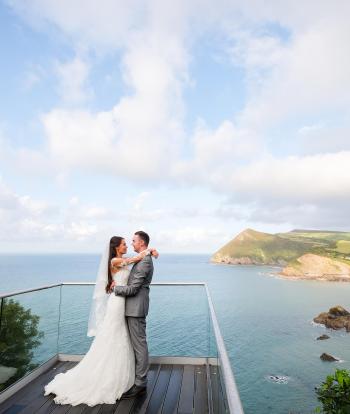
(37,325)
(178,323)
(29,329)
(75,309)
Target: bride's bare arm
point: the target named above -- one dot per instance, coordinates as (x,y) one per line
(120,262)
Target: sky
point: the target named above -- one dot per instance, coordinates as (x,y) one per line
(191,120)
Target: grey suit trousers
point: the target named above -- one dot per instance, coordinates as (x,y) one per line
(137,329)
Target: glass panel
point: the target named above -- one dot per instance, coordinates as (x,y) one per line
(75,310)
(178,323)
(28,334)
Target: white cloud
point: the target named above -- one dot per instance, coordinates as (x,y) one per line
(309,76)
(318,139)
(298,179)
(24,219)
(102,24)
(298,78)
(190,238)
(307,129)
(138,138)
(309,191)
(73,77)
(81,231)
(142,134)
(215,152)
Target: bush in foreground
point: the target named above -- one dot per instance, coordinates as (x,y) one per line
(334,393)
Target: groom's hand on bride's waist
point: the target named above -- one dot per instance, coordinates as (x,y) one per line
(111,289)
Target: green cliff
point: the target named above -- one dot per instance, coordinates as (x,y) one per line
(253,247)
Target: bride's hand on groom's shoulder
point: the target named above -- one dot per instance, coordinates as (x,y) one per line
(154,253)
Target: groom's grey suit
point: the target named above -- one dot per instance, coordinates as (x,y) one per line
(136,309)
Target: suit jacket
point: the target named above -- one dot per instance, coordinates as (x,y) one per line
(136,292)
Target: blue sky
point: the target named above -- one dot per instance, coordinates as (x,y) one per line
(188,120)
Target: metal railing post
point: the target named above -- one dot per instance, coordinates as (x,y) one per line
(59,321)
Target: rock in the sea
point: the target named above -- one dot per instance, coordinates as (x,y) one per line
(327,357)
(339,311)
(336,318)
(322,337)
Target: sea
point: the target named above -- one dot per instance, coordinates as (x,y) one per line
(266,322)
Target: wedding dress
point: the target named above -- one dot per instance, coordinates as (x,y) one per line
(108,368)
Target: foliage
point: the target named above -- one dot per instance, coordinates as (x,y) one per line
(334,393)
(19,336)
(343,246)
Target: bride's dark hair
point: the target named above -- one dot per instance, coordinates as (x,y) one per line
(113,244)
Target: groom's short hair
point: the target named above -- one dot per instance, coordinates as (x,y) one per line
(143,236)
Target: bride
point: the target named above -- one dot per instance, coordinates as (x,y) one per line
(108,368)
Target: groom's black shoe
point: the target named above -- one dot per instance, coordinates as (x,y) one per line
(134,391)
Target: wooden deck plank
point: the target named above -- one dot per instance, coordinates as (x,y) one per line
(223,408)
(173,392)
(159,391)
(171,389)
(187,391)
(201,390)
(51,407)
(14,409)
(26,390)
(214,388)
(48,406)
(25,395)
(39,397)
(77,409)
(92,410)
(61,409)
(141,403)
(107,408)
(124,406)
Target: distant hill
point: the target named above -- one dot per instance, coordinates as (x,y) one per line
(254,247)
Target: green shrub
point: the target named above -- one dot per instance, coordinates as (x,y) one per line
(334,393)
(19,336)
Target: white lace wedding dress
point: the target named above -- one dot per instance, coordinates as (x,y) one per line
(108,368)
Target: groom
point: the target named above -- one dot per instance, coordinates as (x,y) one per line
(136,309)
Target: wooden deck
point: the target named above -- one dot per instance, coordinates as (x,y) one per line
(172,389)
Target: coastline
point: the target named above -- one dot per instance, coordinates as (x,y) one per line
(344,278)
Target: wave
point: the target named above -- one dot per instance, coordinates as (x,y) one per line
(278,379)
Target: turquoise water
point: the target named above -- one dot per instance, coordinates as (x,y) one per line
(266,322)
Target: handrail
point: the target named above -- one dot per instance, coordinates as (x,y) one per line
(20,292)
(233,399)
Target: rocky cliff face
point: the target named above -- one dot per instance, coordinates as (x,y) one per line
(312,266)
(219,258)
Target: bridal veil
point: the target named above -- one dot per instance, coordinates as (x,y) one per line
(99,298)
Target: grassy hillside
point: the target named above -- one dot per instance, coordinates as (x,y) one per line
(253,247)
